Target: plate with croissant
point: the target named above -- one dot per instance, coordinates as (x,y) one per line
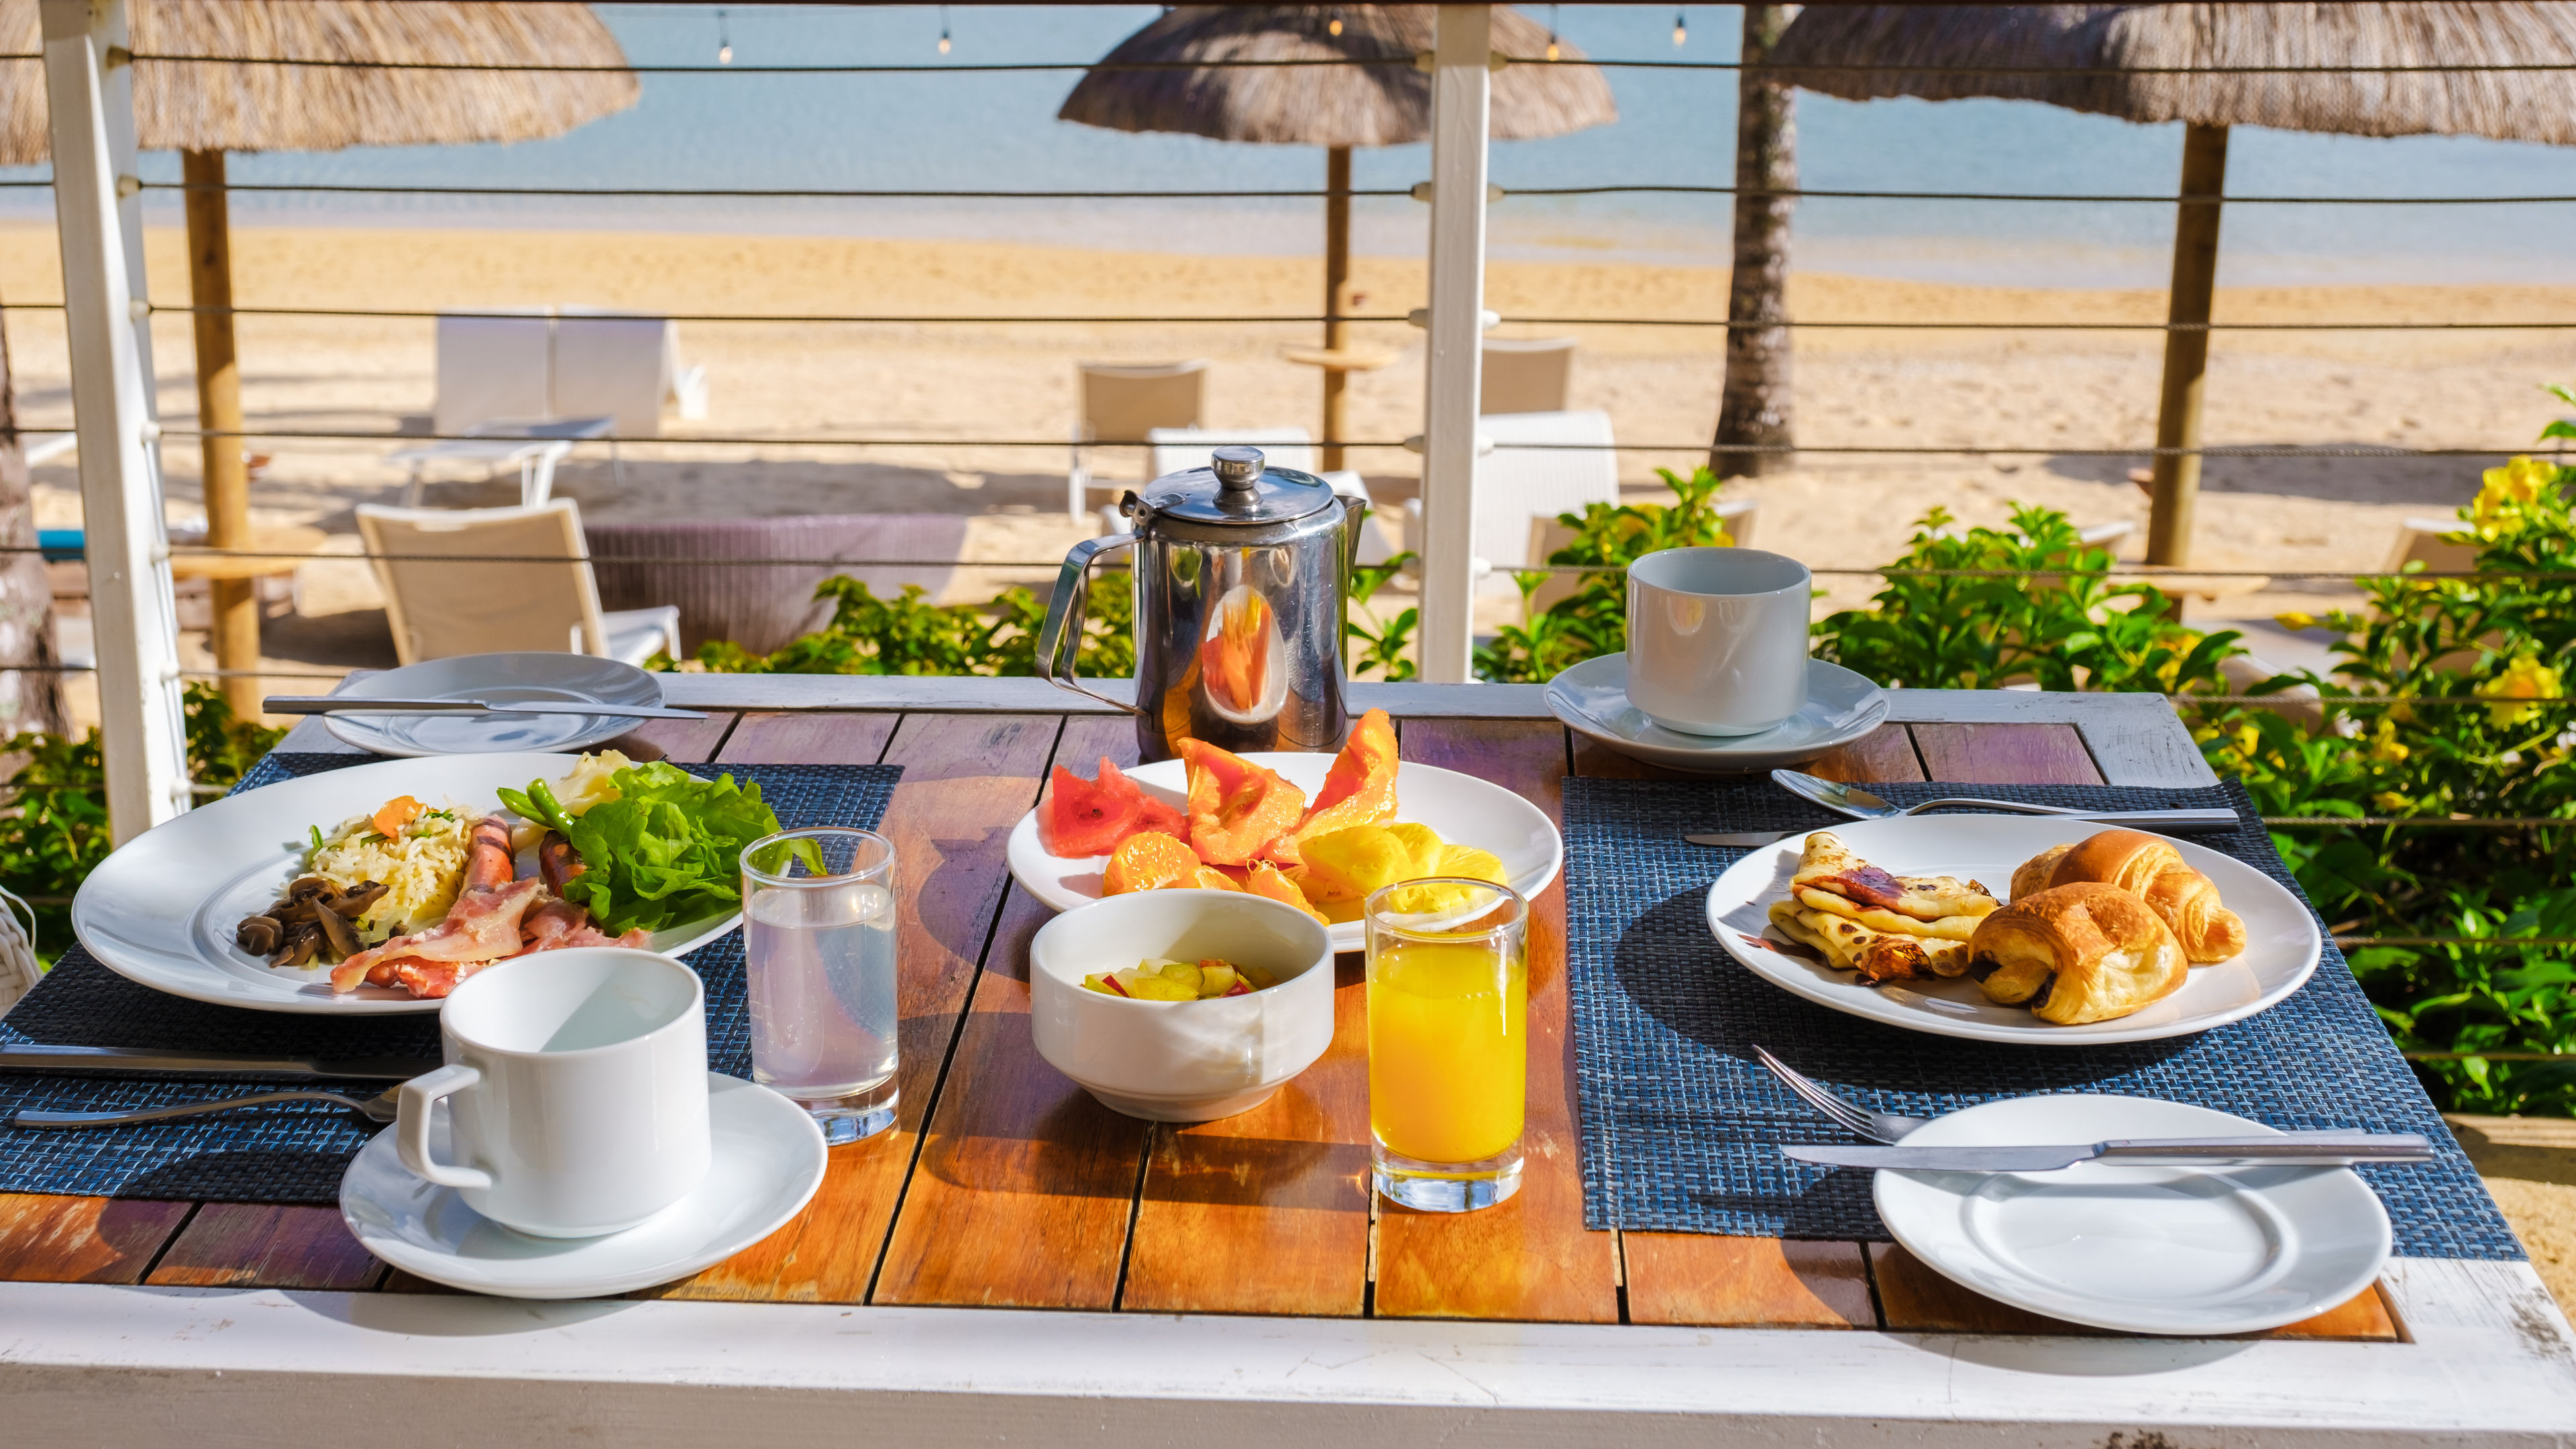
(2097,936)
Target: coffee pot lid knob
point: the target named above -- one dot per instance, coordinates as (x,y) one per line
(1237,467)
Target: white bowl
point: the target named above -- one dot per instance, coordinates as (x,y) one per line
(1182,1061)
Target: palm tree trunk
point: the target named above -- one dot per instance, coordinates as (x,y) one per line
(1754,410)
(31,694)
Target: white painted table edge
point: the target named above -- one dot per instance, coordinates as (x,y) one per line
(2491,1362)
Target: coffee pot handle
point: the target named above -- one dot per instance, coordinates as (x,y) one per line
(1060,641)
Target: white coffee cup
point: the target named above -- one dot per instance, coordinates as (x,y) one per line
(576,1084)
(1717,639)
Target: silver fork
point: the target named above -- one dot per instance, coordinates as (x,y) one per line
(378,1108)
(1876,1126)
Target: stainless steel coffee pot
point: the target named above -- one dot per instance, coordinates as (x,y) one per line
(1240,574)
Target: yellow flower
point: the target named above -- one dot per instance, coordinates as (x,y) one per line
(2390,802)
(2508,489)
(2295,620)
(2384,746)
(2248,740)
(2524,678)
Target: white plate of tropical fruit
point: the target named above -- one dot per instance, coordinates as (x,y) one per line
(1434,822)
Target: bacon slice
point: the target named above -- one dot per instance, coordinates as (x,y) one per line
(482,926)
(559,924)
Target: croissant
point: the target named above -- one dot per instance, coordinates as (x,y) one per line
(2151,869)
(2032,876)
(2077,953)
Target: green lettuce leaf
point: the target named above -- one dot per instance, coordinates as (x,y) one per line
(667,851)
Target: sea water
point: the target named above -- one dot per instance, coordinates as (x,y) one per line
(822,975)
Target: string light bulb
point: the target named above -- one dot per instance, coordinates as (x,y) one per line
(1552,50)
(724,43)
(943,30)
(1334,25)
(1681,28)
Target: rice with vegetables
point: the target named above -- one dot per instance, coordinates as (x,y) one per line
(421,862)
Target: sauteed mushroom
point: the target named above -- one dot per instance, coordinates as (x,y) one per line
(310,922)
(260,935)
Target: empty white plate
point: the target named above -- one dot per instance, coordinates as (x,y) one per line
(1464,809)
(1592,699)
(2175,1250)
(768,1161)
(495,679)
(2281,952)
(161,909)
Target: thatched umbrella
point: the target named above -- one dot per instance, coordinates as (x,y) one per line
(204,110)
(1336,107)
(2295,67)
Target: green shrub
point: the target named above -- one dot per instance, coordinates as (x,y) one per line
(908,634)
(54,828)
(2451,644)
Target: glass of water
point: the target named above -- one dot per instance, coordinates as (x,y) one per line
(818,926)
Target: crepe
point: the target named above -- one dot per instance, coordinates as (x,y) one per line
(1876,955)
(1948,928)
(1828,865)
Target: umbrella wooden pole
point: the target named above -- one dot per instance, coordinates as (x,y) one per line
(1337,280)
(227,476)
(2176,487)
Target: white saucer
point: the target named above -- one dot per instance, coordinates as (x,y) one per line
(1592,699)
(496,679)
(768,1160)
(2179,1250)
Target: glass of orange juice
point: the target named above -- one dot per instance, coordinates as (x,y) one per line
(1448,1025)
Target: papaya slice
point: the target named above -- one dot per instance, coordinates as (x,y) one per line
(1236,806)
(1358,790)
(1149,861)
(1265,880)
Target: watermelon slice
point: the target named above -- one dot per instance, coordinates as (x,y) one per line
(1092,817)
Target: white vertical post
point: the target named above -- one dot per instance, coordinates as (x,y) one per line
(1461,107)
(145,745)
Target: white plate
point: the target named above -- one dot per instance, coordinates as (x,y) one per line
(495,679)
(2191,1250)
(1464,809)
(1592,699)
(162,909)
(769,1158)
(2281,952)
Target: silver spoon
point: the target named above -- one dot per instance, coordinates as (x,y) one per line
(378,1108)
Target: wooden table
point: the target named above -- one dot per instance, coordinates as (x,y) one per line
(1014,1260)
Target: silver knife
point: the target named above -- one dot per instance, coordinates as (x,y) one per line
(2192,819)
(28,1057)
(343,704)
(2316,1149)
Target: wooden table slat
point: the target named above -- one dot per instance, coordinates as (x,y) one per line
(1707,1280)
(1025,1185)
(2006,754)
(267,1245)
(47,1238)
(681,741)
(967,780)
(1529,1259)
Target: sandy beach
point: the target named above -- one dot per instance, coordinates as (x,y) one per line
(2081,388)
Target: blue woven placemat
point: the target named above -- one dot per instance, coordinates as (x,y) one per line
(295,1153)
(1680,1122)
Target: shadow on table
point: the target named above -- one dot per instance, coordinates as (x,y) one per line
(2079,1358)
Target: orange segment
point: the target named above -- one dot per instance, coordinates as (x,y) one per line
(1236,806)
(1150,861)
(1236,657)
(1266,880)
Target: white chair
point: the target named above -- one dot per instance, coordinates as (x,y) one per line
(1122,403)
(1526,375)
(454,585)
(534,448)
(493,367)
(1172,449)
(2420,540)
(623,367)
